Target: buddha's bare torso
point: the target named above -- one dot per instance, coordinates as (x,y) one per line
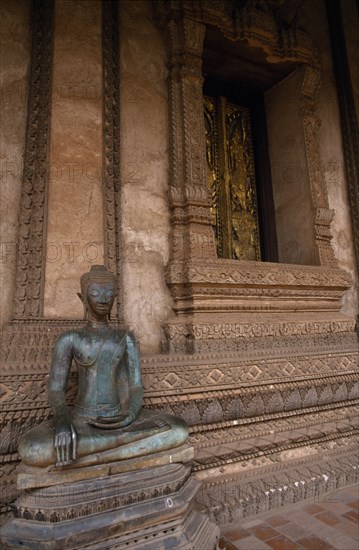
(98,361)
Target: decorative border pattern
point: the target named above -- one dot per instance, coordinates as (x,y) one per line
(111,145)
(29,287)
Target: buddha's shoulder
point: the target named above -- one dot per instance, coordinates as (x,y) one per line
(71,337)
(65,338)
(125,336)
(112,333)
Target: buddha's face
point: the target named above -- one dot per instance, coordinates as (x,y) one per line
(100,298)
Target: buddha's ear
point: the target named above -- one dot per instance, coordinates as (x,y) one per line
(80,296)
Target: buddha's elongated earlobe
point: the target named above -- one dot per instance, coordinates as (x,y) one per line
(85,311)
(84,304)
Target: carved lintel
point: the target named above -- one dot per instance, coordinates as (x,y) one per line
(266,25)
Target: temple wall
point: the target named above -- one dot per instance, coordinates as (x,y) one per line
(144,172)
(332,152)
(14,65)
(75,227)
(75,207)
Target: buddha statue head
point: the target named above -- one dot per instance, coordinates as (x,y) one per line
(98,291)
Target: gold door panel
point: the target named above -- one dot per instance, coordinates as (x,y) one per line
(231,179)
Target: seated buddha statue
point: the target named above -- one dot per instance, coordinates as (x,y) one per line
(107,422)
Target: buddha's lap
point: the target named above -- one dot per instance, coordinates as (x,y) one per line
(36,447)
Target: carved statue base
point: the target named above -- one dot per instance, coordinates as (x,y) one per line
(142,503)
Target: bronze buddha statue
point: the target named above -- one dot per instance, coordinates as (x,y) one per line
(107,422)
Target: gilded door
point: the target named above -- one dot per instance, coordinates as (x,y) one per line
(231,179)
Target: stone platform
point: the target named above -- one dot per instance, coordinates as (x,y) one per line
(142,503)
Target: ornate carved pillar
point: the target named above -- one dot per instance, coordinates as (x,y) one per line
(192,233)
(29,287)
(111,145)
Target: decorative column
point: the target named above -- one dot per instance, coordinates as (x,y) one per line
(192,233)
(29,286)
(111,145)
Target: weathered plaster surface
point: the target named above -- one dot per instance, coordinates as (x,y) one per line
(332,151)
(14,66)
(75,210)
(144,172)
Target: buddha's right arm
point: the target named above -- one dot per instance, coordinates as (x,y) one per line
(59,375)
(65,435)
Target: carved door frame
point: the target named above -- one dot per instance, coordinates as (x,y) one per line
(198,280)
(185,25)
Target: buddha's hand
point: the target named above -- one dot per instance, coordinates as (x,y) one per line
(114,422)
(65,443)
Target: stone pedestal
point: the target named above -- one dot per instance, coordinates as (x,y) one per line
(144,503)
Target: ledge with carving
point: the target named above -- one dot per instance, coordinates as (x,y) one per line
(217,300)
(219,332)
(266,350)
(207,406)
(270,349)
(252,274)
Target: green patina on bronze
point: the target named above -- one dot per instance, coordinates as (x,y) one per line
(107,422)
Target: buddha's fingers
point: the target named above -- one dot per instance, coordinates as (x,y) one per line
(74,443)
(64,449)
(68,445)
(57,447)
